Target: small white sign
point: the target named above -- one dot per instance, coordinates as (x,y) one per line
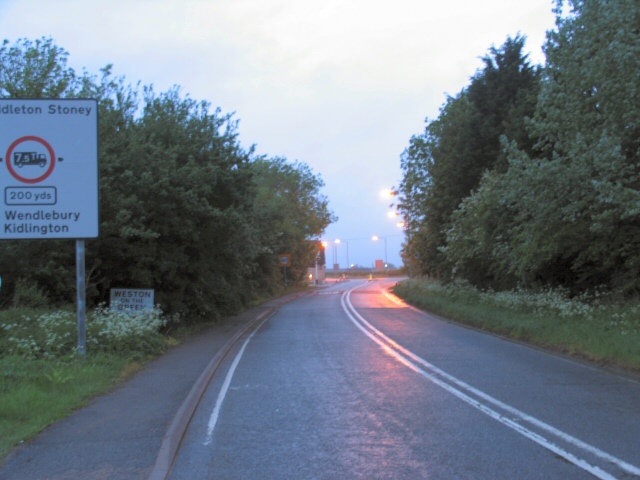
(48,168)
(130,300)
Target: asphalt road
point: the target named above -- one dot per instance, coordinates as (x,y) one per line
(351,383)
(122,435)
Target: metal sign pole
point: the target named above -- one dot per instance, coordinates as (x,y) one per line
(82,296)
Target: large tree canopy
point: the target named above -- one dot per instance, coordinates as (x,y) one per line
(185,209)
(445,164)
(289,210)
(561,206)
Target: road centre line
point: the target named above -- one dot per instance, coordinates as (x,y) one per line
(408,358)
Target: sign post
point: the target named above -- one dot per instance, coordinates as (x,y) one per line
(82,297)
(49,180)
(285,261)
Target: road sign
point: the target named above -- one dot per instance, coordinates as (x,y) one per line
(48,169)
(130,300)
(285,260)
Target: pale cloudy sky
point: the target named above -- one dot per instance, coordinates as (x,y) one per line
(341,85)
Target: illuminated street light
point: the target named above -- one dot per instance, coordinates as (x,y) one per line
(346,244)
(336,242)
(375,238)
(389,192)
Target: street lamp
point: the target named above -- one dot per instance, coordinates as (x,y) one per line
(388,192)
(346,244)
(375,238)
(335,252)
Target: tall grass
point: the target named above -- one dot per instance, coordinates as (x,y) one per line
(598,327)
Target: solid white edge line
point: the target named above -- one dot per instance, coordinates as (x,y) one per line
(629,468)
(395,350)
(213,419)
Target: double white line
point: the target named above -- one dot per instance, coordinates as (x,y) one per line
(505,414)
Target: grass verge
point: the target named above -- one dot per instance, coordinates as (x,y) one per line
(37,392)
(597,329)
(41,383)
(42,379)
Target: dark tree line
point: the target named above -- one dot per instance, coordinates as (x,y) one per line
(530,175)
(185,209)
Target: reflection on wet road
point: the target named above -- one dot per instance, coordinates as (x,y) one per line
(352,383)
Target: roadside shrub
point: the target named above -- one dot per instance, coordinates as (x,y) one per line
(607,312)
(29,295)
(51,335)
(542,302)
(110,331)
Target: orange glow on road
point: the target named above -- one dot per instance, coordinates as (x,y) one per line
(377,297)
(395,299)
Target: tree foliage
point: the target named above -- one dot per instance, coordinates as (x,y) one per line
(564,207)
(445,164)
(35,69)
(185,209)
(290,210)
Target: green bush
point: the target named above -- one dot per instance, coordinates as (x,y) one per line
(29,295)
(52,335)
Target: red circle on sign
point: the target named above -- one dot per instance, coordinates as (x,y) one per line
(33,139)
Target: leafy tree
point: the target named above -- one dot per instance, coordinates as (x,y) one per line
(573,202)
(289,211)
(178,203)
(503,95)
(588,123)
(412,193)
(444,165)
(35,70)
(185,209)
(434,180)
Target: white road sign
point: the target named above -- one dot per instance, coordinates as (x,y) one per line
(48,169)
(130,300)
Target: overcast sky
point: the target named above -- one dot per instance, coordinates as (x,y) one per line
(341,85)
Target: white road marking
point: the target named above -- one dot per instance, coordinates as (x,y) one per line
(405,357)
(213,420)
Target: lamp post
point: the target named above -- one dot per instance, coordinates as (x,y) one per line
(375,238)
(336,242)
(346,244)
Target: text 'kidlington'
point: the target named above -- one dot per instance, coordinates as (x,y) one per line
(19,222)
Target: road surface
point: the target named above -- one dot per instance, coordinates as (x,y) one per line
(350,382)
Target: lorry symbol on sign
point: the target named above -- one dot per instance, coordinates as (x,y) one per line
(21,159)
